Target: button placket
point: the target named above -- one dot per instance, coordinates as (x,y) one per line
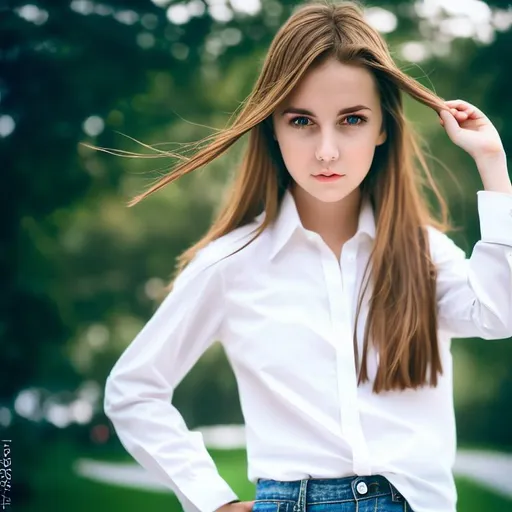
(340,299)
(349,269)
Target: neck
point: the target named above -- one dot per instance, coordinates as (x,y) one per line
(335,222)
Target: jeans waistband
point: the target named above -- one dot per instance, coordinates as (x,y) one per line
(318,490)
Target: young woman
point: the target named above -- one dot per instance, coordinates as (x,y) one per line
(333,290)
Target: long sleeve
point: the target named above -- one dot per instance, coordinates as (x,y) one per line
(139,388)
(474,295)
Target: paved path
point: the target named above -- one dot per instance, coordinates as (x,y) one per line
(489,469)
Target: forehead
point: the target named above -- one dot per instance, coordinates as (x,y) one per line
(335,82)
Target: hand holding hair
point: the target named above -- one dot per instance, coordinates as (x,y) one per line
(470,129)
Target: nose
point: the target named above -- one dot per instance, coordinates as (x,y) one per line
(327,150)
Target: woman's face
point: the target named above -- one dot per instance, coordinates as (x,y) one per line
(330,123)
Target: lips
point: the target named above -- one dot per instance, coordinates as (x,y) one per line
(327,178)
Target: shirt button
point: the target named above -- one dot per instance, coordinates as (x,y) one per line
(362,488)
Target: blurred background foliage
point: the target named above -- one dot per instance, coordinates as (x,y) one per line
(82,273)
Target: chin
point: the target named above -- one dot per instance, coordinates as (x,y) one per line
(326,193)
(330,194)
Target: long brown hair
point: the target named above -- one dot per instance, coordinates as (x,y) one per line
(402,319)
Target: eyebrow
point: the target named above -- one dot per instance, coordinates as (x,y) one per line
(303,111)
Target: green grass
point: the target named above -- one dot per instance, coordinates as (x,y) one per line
(473,498)
(59,489)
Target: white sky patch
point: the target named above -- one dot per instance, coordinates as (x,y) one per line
(59,415)
(251,7)
(127,17)
(475,10)
(502,20)
(178,14)
(26,403)
(457,27)
(161,3)
(103,10)
(414,51)
(81,412)
(380,19)
(33,14)
(93,126)
(485,33)
(220,12)
(82,6)
(457,19)
(196,8)
(7,125)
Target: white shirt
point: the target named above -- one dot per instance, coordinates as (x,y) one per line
(284,308)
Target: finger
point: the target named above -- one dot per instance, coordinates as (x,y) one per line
(464,106)
(459,114)
(450,124)
(459,104)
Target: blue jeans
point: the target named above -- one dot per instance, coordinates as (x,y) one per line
(350,494)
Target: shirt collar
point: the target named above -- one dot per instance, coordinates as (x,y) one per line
(288,221)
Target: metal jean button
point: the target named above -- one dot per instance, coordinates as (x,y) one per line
(362,488)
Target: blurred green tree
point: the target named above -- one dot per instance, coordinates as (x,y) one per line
(80,271)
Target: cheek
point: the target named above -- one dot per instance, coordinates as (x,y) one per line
(297,151)
(359,154)
(362,145)
(299,160)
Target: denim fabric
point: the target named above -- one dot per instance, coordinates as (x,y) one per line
(351,494)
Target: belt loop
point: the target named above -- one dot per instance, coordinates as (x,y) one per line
(300,506)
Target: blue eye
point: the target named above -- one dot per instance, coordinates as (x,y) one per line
(356,118)
(299,125)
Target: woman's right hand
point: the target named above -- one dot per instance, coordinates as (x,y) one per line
(239,506)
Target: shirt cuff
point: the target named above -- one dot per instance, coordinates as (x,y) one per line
(495,213)
(206,492)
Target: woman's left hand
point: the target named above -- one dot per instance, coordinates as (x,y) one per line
(470,129)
